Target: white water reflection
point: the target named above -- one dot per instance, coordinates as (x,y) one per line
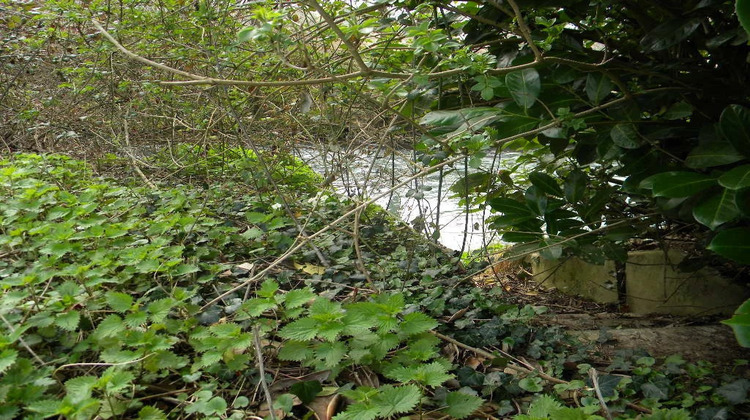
(362,173)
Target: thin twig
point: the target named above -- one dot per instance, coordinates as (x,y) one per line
(525,32)
(262,372)
(20,340)
(595,380)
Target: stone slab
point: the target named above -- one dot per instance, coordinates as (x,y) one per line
(576,277)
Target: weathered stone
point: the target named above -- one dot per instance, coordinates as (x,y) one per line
(577,277)
(655,286)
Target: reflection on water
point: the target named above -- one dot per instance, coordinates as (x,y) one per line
(426,203)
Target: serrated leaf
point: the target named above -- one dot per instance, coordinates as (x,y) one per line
(677,184)
(359,411)
(461,405)
(304,329)
(736,178)
(331,353)
(298,297)
(545,183)
(79,388)
(151,413)
(531,384)
(68,321)
(119,302)
(712,154)
(524,86)
(733,244)
(718,209)
(598,87)
(268,288)
(626,136)
(417,323)
(110,326)
(295,351)
(393,400)
(256,306)
(7,359)
(734,124)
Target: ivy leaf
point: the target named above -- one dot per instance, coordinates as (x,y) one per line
(735,392)
(461,405)
(653,390)
(717,209)
(734,124)
(416,323)
(736,178)
(393,400)
(306,390)
(598,87)
(733,244)
(531,384)
(524,86)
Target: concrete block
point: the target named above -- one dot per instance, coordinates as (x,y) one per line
(655,286)
(577,277)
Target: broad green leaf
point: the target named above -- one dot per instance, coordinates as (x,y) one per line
(740,323)
(575,186)
(626,136)
(119,302)
(543,406)
(678,111)
(734,125)
(510,207)
(110,326)
(416,323)
(284,402)
(461,405)
(393,400)
(295,351)
(718,209)
(151,413)
(304,329)
(677,184)
(306,390)
(298,297)
(545,183)
(742,7)
(331,354)
(736,178)
(712,154)
(524,86)
(536,200)
(669,34)
(80,387)
(591,211)
(531,384)
(598,87)
(359,411)
(733,244)
(268,288)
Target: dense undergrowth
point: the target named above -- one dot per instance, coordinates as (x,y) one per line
(106,309)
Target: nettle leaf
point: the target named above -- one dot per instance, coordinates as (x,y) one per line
(359,411)
(296,351)
(669,34)
(736,178)
(68,321)
(740,323)
(110,326)
(393,400)
(151,413)
(718,209)
(79,388)
(256,306)
(677,184)
(598,87)
(119,302)
(531,384)
(7,359)
(304,329)
(733,244)
(626,136)
(417,323)
(461,405)
(545,183)
(712,154)
(268,288)
(524,86)
(298,297)
(331,353)
(734,124)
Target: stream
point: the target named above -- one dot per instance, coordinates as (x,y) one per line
(426,203)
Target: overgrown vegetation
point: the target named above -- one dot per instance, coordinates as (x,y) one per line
(218,277)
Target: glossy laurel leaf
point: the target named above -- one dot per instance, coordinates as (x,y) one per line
(524,86)
(736,178)
(677,184)
(733,244)
(740,323)
(718,209)
(734,124)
